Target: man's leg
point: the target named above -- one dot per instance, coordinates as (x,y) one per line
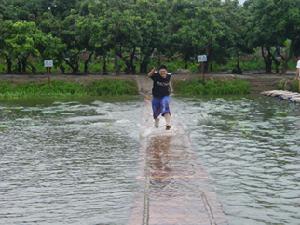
(165,105)
(156,110)
(168,121)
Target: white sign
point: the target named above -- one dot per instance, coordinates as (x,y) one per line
(48,63)
(202,58)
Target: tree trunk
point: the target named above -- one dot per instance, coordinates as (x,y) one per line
(267,58)
(86,63)
(145,62)
(185,63)
(209,51)
(276,58)
(268,66)
(130,68)
(117,66)
(158,58)
(33,69)
(104,67)
(131,62)
(19,66)
(62,69)
(74,66)
(238,61)
(285,58)
(8,65)
(277,64)
(144,65)
(208,64)
(23,65)
(238,69)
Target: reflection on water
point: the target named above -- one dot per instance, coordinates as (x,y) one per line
(251,148)
(159,151)
(68,163)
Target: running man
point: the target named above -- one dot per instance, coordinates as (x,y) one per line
(298,68)
(298,72)
(161,94)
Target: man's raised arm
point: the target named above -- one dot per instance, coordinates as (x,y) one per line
(150,74)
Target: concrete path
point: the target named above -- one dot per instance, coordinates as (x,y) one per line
(175,189)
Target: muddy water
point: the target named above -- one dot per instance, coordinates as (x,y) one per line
(77,163)
(251,148)
(68,163)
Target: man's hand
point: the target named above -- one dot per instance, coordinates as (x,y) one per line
(152,72)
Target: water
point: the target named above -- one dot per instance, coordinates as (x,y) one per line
(252,151)
(68,163)
(77,162)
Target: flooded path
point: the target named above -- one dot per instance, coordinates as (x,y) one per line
(234,161)
(177,190)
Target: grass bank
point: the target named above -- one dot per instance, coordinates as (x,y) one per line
(213,87)
(289,85)
(66,89)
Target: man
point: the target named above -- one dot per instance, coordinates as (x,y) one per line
(161,95)
(298,72)
(298,68)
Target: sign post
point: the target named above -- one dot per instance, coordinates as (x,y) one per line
(202,59)
(48,64)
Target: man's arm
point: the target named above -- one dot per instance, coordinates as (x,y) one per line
(298,70)
(171,87)
(152,72)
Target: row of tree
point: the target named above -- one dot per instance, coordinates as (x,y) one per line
(135,32)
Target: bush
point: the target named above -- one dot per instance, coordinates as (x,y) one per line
(289,85)
(105,87)
(198,87)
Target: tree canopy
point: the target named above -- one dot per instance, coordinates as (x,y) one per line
(135,33)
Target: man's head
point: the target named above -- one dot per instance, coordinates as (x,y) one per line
(163,71)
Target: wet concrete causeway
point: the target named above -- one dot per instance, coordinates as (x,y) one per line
(175,189)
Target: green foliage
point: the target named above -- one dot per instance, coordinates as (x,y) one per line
(289,85)
(112,88)
(199,87)
(57,88)
(131,35)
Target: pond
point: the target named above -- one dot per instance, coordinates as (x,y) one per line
(76,162)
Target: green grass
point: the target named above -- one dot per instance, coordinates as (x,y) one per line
(199,87)
(64,89)
(289,85)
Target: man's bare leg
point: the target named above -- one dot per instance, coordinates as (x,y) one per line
(168,120)
(156,124)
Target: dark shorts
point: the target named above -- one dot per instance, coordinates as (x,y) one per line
(161,106)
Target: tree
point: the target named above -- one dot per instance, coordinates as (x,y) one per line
(5,49)
(267,32)
(23,41)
